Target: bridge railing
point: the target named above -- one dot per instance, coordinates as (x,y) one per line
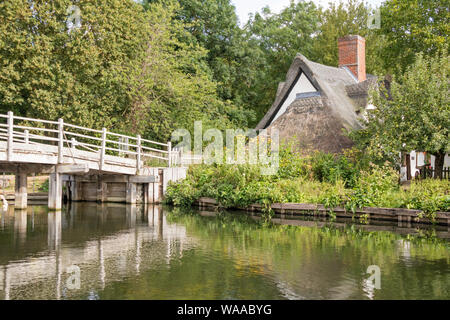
(16,129)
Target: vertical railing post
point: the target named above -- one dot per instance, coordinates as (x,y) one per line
(60,140)
(138,157)
(169,149)
(10,135)
(103,150)
(27,136)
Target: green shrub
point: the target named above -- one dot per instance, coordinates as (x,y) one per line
(326,179)
(372,185)
(428,195)
(44,186)
(331,168)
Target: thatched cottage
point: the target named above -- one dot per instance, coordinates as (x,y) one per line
(318,104)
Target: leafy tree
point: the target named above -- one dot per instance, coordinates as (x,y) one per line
(279,37)
(414,114)
(51,71)
(247,63)
(213,25)
(123,68)
(410,27)
(173,88)
(342,19)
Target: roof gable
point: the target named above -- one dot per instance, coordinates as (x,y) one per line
(330,82)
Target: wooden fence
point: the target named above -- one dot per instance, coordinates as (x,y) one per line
(16,129)
(429,173)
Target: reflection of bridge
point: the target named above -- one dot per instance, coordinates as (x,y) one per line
(80,157)
(142,234)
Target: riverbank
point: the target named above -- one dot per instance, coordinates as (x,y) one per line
(399,215)
(320,184)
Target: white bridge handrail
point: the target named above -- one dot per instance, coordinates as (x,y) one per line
(93,140)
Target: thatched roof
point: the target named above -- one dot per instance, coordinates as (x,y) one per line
(319,120)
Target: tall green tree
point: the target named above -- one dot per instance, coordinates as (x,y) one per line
(49,70)
(213,25)
(173,88)
(279,37)
(410,27)
(341,19)
(414,114)
(121,68)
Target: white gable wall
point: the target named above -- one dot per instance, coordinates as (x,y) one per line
(302,85)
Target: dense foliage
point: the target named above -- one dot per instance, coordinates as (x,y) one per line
(122,68)
(346,18)
(156,66)
(409,27)
(248,62)
(329,180)
(412,113)
(160,65)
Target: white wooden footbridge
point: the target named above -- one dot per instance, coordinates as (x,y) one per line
(92,165)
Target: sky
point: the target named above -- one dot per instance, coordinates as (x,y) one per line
(244,7)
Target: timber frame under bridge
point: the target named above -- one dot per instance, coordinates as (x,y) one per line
(88,164)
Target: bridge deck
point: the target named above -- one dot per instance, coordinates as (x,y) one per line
(48,154)
(30,145)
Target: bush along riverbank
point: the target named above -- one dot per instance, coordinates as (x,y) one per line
(348,181)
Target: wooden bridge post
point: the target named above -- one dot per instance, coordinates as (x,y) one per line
(27,136)
(60,140)
(103,150)
(76,188)
(10,135)
(20,198)
(101,189)
(131,192)
(169,149)
(55,191)
(138,157)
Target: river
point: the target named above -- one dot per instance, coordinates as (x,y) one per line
(115,251)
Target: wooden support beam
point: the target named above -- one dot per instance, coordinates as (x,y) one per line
(10,144)
(27,168)
(60,140)
(103,149)
(138,157)
(72,168)
(20,199)
(76,188)
(131,193)
(101,189)
(143,179)
(55,191)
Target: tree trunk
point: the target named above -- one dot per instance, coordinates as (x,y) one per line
(408,166)
(439,165)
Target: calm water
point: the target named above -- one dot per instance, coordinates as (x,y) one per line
(125,252)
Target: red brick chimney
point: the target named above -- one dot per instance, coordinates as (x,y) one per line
(352,54)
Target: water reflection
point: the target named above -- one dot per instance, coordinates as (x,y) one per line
(107,238)
(138,252)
